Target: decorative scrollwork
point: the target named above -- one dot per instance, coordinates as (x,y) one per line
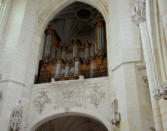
(41,100)
(96,96)
(68,95)
(16,118)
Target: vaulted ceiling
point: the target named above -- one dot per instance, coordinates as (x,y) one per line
(78,18)
(72,123)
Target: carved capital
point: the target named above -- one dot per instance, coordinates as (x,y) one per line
(161,92)
(138,12)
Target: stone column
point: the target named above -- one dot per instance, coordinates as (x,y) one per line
(16,56)
(162,90)
(125,79)
(139,17)
(5,6)
(163,13)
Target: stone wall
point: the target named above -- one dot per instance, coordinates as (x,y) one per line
(74,96)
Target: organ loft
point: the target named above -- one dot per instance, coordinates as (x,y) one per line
(67,60)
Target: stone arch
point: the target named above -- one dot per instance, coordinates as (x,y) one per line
(45,17)
(51,8)
(39,123)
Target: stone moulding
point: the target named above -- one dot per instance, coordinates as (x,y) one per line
(161,92)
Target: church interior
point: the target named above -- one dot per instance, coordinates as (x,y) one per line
(83,65)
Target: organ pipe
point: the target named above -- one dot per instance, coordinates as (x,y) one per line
(100,35)
(92,51)
(53,53)
(76,72)
(76,43)
(75,50)
(51,42)
(58,68)
(87,50)
(58,53)
(63,57)
(47,46)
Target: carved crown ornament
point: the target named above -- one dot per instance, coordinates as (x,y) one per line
(138,11)
(161,92)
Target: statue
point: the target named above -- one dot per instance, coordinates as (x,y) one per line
(16,117)
(115,114)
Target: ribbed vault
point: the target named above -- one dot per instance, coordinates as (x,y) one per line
(72,123)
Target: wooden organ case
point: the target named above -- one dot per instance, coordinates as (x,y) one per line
(67,63)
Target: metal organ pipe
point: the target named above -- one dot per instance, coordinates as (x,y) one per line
(64,54)
(53,53)
(76,71)
(75,50)
(92,50)
(58,53)
(47,46)
(58,67)
(100,35)
(102,28)
(86,52)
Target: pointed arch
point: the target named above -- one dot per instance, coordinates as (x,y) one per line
(52,117)
(47,13)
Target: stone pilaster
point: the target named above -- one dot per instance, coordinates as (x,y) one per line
(126,82)
(15,56)
(163,13)
(140,19)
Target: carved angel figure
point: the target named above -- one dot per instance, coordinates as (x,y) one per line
(115,114)
(16,117)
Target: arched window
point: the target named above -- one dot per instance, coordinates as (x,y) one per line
(75,45)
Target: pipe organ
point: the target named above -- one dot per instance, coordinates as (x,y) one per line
(69,61)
